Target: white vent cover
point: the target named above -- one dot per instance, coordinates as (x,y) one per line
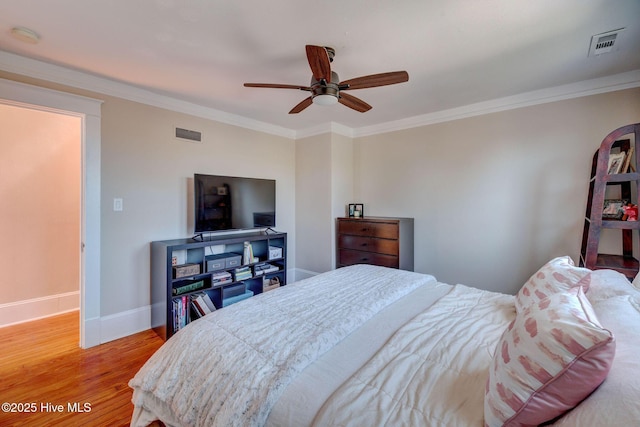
(605,42)
(189,135)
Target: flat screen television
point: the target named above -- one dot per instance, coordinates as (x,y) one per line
(233,203)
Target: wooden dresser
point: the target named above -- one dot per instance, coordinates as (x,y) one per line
(381,241)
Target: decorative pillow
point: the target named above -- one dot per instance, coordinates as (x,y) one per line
(552,356)
(558,275)
(606,284)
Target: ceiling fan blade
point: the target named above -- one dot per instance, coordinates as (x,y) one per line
(319,62)
(353,102)
(382,79)
(276,86)
(302,105)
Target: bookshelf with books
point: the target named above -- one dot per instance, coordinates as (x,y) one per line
(192,278)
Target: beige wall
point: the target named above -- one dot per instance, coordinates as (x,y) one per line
(152,172)
(313,203)
(324,186)
(40,208)
(342,162)
(494,196)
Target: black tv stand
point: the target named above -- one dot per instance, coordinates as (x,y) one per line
(172,294)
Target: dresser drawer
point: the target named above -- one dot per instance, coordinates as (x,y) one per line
(368,244)
(350,257)
(382,230)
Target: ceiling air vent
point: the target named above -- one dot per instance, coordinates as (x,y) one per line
(605,42)
(189,135)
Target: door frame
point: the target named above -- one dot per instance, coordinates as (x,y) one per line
(89,111)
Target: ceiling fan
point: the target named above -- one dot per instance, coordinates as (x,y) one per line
(326,87)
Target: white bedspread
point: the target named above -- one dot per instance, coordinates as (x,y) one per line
(432,372)
(272,337)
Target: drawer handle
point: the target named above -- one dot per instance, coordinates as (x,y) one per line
(364,244)
(365,229)
(364,259)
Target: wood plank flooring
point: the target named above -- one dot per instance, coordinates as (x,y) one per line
(41,365)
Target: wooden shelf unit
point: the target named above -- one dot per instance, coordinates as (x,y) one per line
(629,187)
(196,252)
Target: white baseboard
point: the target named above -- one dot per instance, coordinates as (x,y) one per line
(130,322)
(303,274)
(37,308)
(125,323)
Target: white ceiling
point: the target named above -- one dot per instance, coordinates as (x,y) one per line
(457,52)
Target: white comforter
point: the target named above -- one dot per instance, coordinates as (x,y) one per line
(432,372)
(268,339)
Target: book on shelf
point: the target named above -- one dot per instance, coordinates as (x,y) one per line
(196,309)
(208,302)
(221,278)
(264,268)
(242,273)
(182,289)
(180,313)
(203,303)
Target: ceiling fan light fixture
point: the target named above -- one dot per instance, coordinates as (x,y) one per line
(325,100)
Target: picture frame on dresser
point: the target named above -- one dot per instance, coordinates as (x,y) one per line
(356,210)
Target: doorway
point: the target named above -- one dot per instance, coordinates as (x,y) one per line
(87,112)
(39,213)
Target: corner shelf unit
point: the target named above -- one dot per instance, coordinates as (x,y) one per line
(268,248)
(628,183)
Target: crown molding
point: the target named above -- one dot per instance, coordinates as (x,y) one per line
(600,85)
(54,73)
(331,127)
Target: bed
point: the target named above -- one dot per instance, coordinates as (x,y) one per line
(366,345)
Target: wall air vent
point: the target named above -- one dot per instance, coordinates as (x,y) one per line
(605,42)
(189,135)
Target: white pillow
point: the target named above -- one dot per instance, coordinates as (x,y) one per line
(636,281)
(609,283)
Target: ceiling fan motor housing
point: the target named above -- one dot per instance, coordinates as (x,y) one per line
(324,88)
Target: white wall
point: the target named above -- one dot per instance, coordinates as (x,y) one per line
(493,196)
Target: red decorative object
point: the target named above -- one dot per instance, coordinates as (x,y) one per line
(630,212)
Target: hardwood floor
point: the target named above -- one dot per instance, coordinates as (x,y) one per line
(43,368)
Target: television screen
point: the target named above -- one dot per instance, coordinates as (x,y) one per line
(227,202)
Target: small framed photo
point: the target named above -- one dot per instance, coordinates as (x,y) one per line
(616,160)
(222,191)
(613,208)
(356,210)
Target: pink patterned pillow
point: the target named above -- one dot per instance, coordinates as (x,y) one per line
(558,275)
(552,356)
